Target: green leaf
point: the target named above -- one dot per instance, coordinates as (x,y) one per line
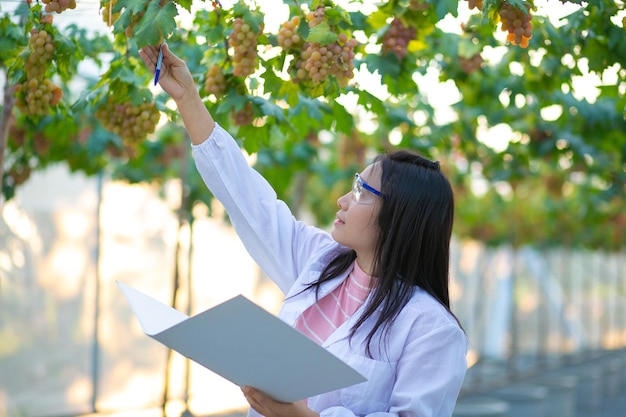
(156,24)
(321,34)
(443,7)
(185,4)
(133,6)
(344,121)
(270,109)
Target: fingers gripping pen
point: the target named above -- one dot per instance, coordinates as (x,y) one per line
(158,65)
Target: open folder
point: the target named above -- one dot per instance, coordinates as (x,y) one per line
(247,345)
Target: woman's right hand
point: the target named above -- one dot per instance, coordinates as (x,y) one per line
(175,78)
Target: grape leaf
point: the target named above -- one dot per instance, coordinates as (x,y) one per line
(186,4)
(321,34)
(156,24)
(133,6)
(443,7)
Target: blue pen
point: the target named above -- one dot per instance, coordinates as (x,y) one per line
(158,65)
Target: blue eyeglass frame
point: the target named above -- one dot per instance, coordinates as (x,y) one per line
(368,187)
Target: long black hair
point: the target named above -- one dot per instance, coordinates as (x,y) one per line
(413,247)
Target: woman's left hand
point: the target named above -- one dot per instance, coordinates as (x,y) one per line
(268,407)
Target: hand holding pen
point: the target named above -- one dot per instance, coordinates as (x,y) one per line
(170,72)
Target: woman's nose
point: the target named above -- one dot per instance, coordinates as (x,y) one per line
(341,201)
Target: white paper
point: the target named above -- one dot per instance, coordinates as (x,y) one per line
(247,345)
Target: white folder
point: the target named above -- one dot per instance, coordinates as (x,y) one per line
(247,345)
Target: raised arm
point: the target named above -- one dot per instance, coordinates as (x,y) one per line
(176,80)
(279,243)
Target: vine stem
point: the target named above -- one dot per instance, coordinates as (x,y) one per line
(7,107)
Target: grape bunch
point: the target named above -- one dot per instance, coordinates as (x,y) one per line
(396,39)
(131,123)
(316,17)
(19,173)
(36,94)
(108,16)
(41,50)
(243,40)
(517,23)
(471,64)
(35,97)
(243,116)
(58,6)
(419,5)
(317,62)
(475,4)
(288,36)
(214,81)
(333,59)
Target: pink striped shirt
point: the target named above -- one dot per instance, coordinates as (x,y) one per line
(322,318)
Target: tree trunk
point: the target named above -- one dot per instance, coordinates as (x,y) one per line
(7,107)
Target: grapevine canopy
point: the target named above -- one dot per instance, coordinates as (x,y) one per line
(523,102)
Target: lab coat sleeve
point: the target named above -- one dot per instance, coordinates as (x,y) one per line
(279,243)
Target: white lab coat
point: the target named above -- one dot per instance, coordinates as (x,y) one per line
(418,373)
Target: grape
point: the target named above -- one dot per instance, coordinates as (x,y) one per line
(214,82)
(47,18)
(41,144)
(244,116)
(317,16)
(131,123)
(243,40)
(517,23)
(397,38)
(288,36)
(58,6)
(318,62)
(41,52)
(36,94)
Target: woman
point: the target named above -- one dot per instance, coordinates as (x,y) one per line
(374,292)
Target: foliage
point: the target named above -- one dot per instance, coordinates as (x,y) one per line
(556,174)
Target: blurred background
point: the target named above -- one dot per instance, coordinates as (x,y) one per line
(530,131)
(70,344)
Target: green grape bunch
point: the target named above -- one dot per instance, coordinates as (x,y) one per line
(37,94)
(243,39)
(132,123)
(318,62)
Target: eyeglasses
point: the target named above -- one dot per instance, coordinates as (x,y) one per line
(357,190)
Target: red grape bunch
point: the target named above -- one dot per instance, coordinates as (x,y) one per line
(243,116)
(471,64)
(288,36)
(58,6)
(132,123)
(37,93)
(517,23)
(243,40)
(475,4)
(397,38)
(317,62)
(214,81)
(419,5)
